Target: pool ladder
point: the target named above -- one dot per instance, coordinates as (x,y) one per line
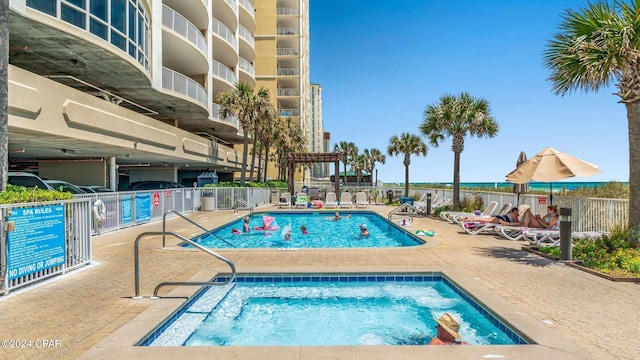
(246,204)
(406,207)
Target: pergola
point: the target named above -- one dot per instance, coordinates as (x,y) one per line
(311,158)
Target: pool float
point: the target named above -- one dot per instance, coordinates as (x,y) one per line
(268,221)
(425,232)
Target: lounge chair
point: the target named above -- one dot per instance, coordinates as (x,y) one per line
(302,200)
(457,216)
(345,200)
(545,237)
(476,227)
(361,200)
(420,208)
(285,200)
(331,201)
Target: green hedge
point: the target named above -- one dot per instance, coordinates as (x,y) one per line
(20,194)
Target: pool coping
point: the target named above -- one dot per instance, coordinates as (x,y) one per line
(547,343)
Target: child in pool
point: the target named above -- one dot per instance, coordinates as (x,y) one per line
(235,231)
(245,226)
(303,229)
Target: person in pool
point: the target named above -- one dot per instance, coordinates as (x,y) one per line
(245,226)
(447,329)
(364,232)
(303,229)
(287,236)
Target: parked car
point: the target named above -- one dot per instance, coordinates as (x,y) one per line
(27,180)
(95,189)
(64,186)
(153,184)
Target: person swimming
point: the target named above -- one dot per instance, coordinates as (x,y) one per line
(303,229)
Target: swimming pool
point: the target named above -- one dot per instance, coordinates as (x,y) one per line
(322,232)
(348,309)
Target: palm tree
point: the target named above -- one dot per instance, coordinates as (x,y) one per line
(455,117)
(267,137)
(347,150)
(597,46)
(406,144)
(359,163)
(264,112)
(240,102)
(374,155)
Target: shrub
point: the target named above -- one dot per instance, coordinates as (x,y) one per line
(20,194)
(472,203)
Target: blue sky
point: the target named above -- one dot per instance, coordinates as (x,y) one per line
(381,63)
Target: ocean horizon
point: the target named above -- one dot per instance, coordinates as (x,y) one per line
(534,185)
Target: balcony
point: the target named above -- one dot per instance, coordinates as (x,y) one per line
(247,43)
(247,73)
(226,11)
(225,44)
(183,85)
(288,72)
(287,11)
(223,78)
(288,52)
(247,14)
(288,112)
(184,48)
(178,23)
(288,92)
(287,31)
(231,124)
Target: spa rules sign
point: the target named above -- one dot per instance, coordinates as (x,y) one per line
(37,241)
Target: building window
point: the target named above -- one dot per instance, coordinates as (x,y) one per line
(111,20)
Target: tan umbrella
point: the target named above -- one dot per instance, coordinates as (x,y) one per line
(520,188)
(551,165)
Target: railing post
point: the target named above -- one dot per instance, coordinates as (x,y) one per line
(565,233)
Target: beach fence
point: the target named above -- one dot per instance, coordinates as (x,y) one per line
(588,214)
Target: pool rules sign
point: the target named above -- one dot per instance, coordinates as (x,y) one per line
(37,241)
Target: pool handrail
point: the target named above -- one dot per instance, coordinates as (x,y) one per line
(406,206)
(136,262)
(164,227)
(245,203)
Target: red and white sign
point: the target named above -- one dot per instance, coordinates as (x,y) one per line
(542,200)
(156,199)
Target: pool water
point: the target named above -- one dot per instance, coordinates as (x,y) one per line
(329,310)
(322,232)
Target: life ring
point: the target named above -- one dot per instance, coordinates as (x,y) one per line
(99,211)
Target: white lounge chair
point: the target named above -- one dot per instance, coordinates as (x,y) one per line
(285,200)
(361,200)
(345,200)
(457,216)
(302,200)
(545,237)
(331,201)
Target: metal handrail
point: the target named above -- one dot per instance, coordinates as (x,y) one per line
(402,207)
(164,227)
(245,203)
(136,263)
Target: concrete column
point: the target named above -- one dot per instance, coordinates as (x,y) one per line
(113,174)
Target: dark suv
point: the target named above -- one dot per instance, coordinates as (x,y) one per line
(153,185)
(27,180)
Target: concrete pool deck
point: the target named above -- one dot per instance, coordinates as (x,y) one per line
(578,315)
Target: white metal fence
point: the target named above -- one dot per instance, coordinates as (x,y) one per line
(127,208)
(588,214)
(40,240)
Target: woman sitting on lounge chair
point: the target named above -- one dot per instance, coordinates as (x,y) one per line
(510,218)
(549,221)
